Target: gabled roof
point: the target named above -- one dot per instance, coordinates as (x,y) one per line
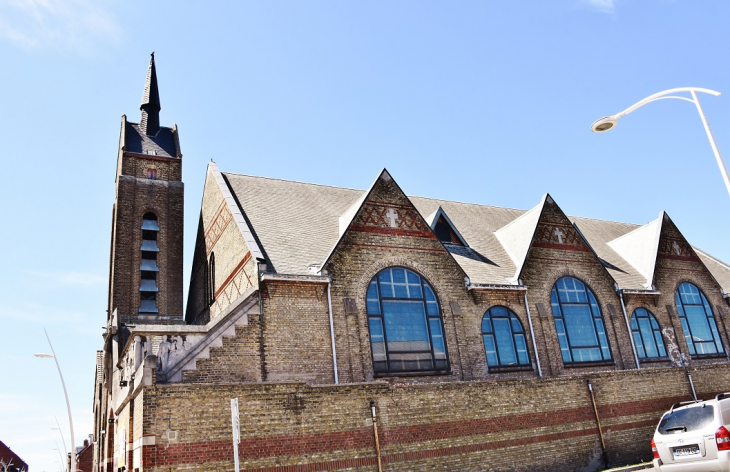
(298,225)
(517,235)
(238,216)
(639,248)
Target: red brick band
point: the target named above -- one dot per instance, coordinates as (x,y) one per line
(255,448)
(234,273)
(395,231)
(679,258)
(563,247)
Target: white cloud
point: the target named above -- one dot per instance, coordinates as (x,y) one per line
(77,25)
(605,6)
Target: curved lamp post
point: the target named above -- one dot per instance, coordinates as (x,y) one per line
(65,451)
(609,122)
(65,393)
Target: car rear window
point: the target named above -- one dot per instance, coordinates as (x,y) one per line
(687,419)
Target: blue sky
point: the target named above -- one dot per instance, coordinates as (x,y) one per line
(484,102)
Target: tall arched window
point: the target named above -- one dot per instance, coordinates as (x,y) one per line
(504,338)
(148,269)
(406,331)
(647,335)
(579,323)
(698,321)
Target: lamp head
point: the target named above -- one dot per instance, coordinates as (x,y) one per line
(604,124)
(43,356)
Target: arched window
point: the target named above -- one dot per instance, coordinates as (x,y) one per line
(406,331)
(504,338)
(579,322)
(698,322)
(148,269)
(647,335)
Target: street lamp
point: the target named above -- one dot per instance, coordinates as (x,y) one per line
(57,450)
(609,122)
(65,393)
(65,451)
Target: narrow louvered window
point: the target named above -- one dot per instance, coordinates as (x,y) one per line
(148,267)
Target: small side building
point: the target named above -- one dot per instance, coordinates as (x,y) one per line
(10,461)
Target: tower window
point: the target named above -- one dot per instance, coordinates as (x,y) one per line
(152,174)
(148,268)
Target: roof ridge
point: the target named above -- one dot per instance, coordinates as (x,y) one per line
(468,203)
(711,257)
(609,221)
(292,181)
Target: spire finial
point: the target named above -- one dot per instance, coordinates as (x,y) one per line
(150,122)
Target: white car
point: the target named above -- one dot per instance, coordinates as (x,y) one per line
(694,436)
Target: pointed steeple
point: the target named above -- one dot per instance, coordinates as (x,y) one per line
(150,121)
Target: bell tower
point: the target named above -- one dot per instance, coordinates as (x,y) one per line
(146,262)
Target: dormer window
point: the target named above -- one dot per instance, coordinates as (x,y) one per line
(446,233)
(444,229)
(148,267)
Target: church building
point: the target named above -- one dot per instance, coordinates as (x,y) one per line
(370,330)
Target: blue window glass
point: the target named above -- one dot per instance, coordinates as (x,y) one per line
(504,338)
(406,330)
(579,322)
(698,321)
(647,335)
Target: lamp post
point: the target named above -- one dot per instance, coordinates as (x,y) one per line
(58,450)
(609,122)
(65,451)
(65,393)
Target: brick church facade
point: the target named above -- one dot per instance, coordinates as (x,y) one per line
(371,330)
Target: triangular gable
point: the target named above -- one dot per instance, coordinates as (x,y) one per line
(639,248)
(517,235)
(232,206)
(398,216)
(434,218)
(660,239)
(544,226)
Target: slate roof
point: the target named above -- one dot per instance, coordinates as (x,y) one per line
(161,144)
(298,224)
